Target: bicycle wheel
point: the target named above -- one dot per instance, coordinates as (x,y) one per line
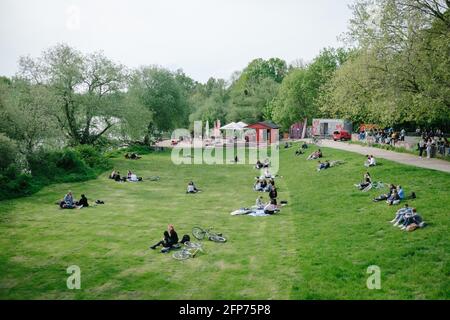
(216,238)
(181,255)
(198,233)
(193,245)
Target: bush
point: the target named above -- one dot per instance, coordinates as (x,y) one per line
(8,151)
(67,165)
(93,157)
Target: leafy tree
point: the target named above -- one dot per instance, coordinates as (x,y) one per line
(85,90)
(300,91)
(158,90)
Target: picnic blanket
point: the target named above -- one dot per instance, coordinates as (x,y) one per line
(253,212)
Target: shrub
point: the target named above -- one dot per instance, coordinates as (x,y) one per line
(93,157)
(8,151)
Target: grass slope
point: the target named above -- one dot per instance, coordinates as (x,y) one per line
(319,247)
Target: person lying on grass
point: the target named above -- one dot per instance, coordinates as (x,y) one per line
(299,152)
(367,181)
(169,241)
(259,165)
(191,188)
(323,165)
(132,156)
(315,155)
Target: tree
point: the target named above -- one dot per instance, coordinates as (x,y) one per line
(24,114)
(85,90)
(403,68)
(300,91)
(160,93)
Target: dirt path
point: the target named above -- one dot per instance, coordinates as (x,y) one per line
(404,158)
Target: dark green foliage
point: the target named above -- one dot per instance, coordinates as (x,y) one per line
(46,167)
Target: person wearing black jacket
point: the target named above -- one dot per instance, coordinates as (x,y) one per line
(83,201)
(273,194)
(170,239)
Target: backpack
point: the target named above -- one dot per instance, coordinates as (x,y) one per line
(185,239)
(413,195)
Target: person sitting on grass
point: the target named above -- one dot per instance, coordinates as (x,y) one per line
(132,177)
(394,198)
(129,174)
(299,152)
(257,186)
(263,184)
(412,221)
(371,162)
(113,175)
(83,202)
(273,195)
(401,193)
(316,155)
(270,186)
(400,215)
(67,202)
(118,178)
(191,188)
(304,146)
(259,203)
(266,163)
(170,239)
(271,208)
(367,181)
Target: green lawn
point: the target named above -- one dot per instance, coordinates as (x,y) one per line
(319,247)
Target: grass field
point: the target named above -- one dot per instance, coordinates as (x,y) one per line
(319,247)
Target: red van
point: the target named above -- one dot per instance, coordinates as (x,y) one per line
(341,135)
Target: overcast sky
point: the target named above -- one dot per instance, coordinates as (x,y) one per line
(203,37)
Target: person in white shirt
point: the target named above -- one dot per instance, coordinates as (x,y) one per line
(133,178)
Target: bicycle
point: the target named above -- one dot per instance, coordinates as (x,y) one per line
(200,234)
(190,250)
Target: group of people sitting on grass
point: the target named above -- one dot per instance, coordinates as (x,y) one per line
(68,202)
(263,185)
(370,162)
(262,208)
(132,156)
(393,197)
(315,155)
(130,177)
(408,219)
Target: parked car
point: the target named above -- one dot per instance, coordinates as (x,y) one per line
(342,135)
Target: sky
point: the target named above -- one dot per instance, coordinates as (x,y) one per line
(205,38)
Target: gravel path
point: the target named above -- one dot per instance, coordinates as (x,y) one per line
(404,158)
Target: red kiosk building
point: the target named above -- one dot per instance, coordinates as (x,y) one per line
(266,132)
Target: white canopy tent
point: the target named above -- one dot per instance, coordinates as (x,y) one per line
(234,126)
